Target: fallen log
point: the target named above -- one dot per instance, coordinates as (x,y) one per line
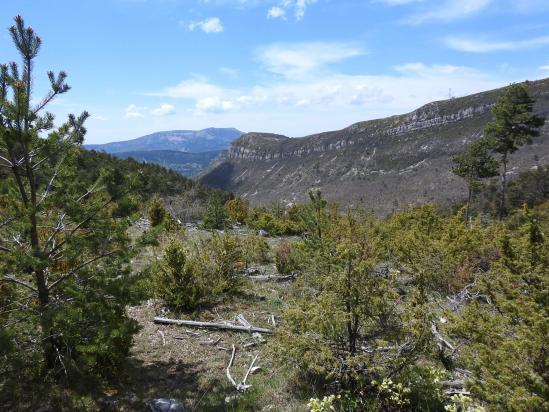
(274,278)
(210,325)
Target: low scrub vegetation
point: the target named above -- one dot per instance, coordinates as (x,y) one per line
(424,310)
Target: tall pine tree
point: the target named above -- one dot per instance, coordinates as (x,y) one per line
(62,251)
(514,125)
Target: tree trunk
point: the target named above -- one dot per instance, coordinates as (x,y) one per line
(469,200)
(351,335)
(46,324)
(501,209)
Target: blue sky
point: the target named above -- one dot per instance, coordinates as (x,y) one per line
(285,66)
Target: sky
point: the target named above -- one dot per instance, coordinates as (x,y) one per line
(293,67)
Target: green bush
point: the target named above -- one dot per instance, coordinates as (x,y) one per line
(226,253)
(286,257)
(237,209)
(256,250)
(276,223)
(157,212)
(188,277)
(216,214)
(175,280)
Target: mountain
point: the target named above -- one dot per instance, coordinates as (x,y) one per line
(385,164)
(192,141)
(187,164)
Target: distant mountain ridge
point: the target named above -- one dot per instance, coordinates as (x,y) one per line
(191,141)
(384,164)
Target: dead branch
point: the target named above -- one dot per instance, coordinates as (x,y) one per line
(242,320)
(274,278)
(163,338)
(210,325)
(240,386)
(441,341)
(228,370)
(211,342)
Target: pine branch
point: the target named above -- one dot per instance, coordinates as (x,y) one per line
(76,269)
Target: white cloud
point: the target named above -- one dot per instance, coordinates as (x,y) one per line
(276,12)
(450,10)
(214,104)
(349,98)
(544,68)
(189,89)
(298,59)
(422,70)
(475,45)
(163,110)
(298,7)
(209,25)
(133,111)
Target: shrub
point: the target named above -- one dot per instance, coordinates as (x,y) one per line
(175,280)
(226,253)
(276,223)
(286,257)
(237,209)
(157,212)
(189,277)
(216,215)
(256,250)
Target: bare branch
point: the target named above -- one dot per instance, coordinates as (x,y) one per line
(59,227)
(7,222)
(12,279)
(48,187)
(9,164)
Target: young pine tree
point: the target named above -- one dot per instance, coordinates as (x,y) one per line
(216,215)
(62,251)
(345,313)
(474,164)
(514,125)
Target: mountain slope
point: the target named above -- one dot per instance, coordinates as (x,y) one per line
(187,164)
(384,164)
(206,140)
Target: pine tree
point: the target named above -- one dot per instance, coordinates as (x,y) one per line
(514,125)
(474,164)
(60,246)
(216,215)
(345,309)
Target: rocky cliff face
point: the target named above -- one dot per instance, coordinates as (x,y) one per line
(384,164)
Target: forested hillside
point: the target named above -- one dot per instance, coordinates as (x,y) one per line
(187,164)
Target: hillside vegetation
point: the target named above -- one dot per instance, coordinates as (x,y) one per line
(127,287)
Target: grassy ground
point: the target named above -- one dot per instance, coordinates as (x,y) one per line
(189,365)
